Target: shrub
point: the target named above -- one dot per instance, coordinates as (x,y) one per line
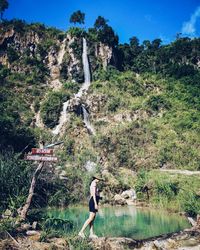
(15,177)
(51,108)
(167,188)
(191,203)
(72,86)
(113,104)
(157,102)
(106,75)
(76,32)
(12,55)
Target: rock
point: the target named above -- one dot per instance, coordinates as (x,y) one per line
(8,244)
(38,246)
(34,225)
(32,232)
(90,166)
(96,102)
(189,242)
(75,105)
(59,243)
(198,193)
(105,53)
(171,244)
(7,214)
(192,221)
(35,237)
(198,222)
(25,226)
(158,245)
(130,202)
(114,243)
(119,200)
(129,194)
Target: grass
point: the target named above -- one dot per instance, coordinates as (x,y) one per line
(174,192)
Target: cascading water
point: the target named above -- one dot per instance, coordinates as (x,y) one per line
(63,118)
(87,121)
(86,69)
(87,80)
(85,86)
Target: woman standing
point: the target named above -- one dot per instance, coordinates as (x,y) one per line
(93,208)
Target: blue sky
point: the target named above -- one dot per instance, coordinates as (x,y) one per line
(146,19)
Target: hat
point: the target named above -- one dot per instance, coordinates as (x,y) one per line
(98,177)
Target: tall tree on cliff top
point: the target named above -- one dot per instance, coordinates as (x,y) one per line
(3,7)
(105,33)
(100,23)
(77,17)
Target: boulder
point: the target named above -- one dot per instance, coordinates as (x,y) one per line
(34,225)
(58,243)
(129,194)
(7,214)
(119,200)
(114,243)
(32,232)
(24,227)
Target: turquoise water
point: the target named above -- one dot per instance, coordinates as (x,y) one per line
(128,221)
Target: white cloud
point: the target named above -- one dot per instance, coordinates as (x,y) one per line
(189,28)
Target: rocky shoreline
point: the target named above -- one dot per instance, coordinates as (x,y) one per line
(29,238)
(188,239)
(179,241)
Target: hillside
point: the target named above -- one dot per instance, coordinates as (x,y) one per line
(143,103)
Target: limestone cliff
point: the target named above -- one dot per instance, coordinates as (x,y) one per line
(60,53)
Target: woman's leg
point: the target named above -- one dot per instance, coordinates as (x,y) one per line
(92,226)
(88,221)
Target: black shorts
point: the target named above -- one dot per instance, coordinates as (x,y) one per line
(92,205)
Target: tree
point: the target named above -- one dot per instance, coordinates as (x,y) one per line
(135,46)
(156,43)
(105,33)
(3,7)
(77,17)
(100,23)
(146,44)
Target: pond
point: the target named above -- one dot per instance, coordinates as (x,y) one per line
(126,221)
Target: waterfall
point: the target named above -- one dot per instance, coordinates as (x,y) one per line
(87,121)
(85,87)
(63,118)
(82,90)
(86,69)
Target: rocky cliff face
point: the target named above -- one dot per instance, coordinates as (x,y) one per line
(10,39)
(62,57)
(104,52)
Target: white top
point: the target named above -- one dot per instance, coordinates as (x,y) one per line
(93,188)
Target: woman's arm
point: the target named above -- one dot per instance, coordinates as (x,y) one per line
(94,196)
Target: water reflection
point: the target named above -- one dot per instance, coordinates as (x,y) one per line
(128,221)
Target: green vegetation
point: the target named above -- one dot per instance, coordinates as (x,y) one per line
(51,108)
(3,7)
(13,187)
(144,107)
(77,17)
(173,192)
(164,127)
(15,114)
